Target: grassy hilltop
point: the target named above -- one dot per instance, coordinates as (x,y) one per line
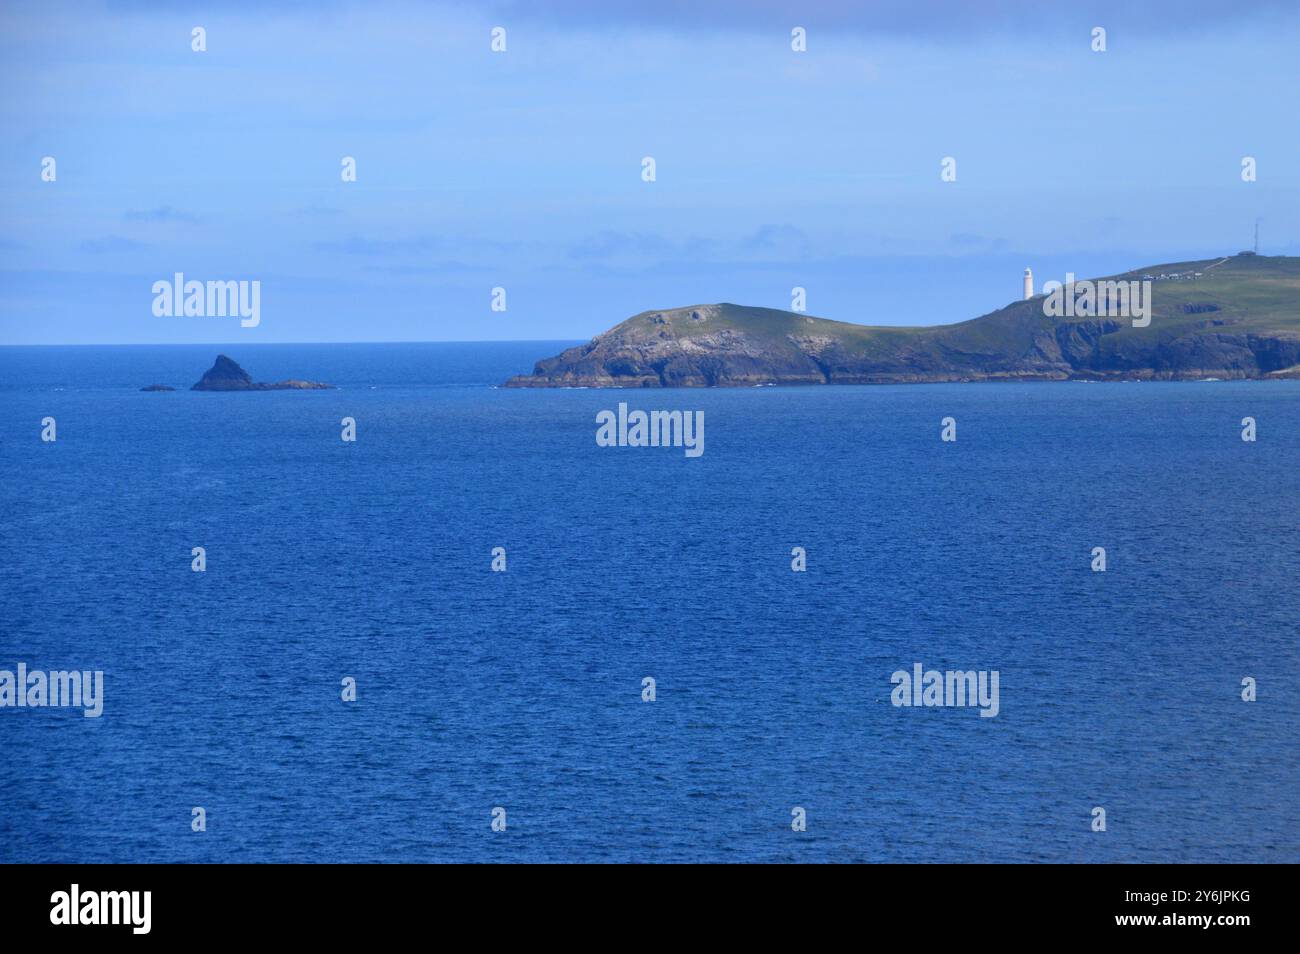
(1240,318)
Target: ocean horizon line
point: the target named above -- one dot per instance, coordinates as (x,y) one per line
(232,344)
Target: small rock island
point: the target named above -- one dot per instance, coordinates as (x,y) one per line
(158,387)
(226,375)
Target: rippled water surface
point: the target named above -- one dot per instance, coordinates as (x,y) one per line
(523,689)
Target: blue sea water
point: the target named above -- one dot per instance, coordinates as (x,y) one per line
(523,689)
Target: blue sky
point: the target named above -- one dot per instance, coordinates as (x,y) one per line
(523,169)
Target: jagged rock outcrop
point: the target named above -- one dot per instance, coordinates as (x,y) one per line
(226,375)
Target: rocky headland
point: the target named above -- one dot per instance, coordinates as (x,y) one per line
(1234,317)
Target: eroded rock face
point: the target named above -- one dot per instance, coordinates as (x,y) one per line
(226,375)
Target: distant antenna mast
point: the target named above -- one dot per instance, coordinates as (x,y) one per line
(1257,236)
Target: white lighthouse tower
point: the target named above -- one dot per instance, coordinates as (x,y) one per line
(1029,284)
